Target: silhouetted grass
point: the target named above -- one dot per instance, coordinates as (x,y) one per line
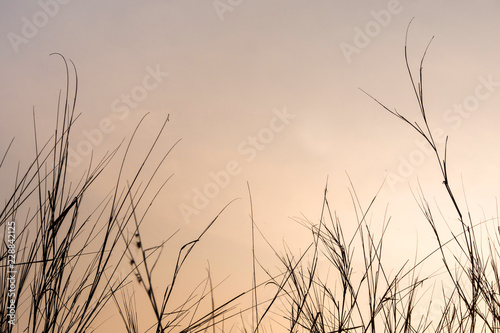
(68,263)
(68,258)
(473,305)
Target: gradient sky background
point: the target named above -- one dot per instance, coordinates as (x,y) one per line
(228,71)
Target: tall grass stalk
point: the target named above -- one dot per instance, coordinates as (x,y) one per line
(473,305)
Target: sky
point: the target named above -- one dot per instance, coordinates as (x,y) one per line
(264,95)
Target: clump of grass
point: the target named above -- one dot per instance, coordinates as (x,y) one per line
(167,319)
(473,304)
(374,300)
(48,291)
(344,300)
(67,260)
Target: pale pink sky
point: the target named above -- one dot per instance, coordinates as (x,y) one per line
(226,77)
